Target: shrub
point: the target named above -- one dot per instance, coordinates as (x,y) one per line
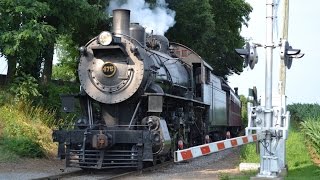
(52,92)
(24,87)
(27,120)
(5,97)
(52,101)
(24,146)
(244,110)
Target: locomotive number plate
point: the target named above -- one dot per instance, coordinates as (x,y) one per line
(109,69)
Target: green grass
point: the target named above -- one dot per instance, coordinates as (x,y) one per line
(7,155)
(28,117)
(248,154)
(298,158)
(23,131)
(299,162)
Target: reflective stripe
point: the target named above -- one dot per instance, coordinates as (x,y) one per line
(234,142)
(186,155)
(205,150)
(197,151)
(245,140)
(221,146)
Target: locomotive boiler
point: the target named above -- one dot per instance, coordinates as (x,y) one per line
(142,98)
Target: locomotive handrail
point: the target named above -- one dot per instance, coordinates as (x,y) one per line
(177,97)
(205,149)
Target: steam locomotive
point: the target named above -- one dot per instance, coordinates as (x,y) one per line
(142,98)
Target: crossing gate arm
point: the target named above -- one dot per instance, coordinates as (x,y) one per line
(205,149)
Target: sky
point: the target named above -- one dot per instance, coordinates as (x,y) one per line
(302,83)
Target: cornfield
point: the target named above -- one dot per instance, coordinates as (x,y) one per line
(311,129)
(301,112)
(308,116)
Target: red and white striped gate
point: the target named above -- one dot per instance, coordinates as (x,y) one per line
(205,149)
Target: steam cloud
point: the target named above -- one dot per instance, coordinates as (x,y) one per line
(158,19)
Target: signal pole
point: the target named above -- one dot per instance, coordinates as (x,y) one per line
(269,61)
(284,36)
(267,160)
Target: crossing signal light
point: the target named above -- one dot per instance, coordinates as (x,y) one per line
(249,54)
(287,53)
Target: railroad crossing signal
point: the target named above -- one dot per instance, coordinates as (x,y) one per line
(287,53)
(249,53)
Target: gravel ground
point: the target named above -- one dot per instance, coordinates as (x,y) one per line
(31,168)
(206,167)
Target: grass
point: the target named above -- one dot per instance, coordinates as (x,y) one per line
(27,120)
(303,142)
(24,131)
(28,117)
(248,154)
(299,162)
(7,155)
(300,165)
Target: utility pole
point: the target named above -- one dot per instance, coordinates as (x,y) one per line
(283,76)
(284,36)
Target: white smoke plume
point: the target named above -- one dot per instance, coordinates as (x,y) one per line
(158,19)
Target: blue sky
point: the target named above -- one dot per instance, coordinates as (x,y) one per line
(304,26)
(304,30)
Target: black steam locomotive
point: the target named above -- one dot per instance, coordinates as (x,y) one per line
(142,98)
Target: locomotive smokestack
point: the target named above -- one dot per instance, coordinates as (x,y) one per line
(121,21)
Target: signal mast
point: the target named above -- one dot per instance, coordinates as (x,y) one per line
(271,120)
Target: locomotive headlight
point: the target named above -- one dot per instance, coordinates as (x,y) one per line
(105,38)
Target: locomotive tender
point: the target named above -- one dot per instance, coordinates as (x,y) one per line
(142,99)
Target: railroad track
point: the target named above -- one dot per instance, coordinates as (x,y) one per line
(166,167)
(105,174)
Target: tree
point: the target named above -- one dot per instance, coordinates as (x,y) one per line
(213,30)
(67,54)
(244,110)
(230,15)
(22,35)
(29,29)
(80,22)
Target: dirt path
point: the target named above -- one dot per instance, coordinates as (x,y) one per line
(31,168)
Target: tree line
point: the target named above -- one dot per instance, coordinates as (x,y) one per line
(30,31)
